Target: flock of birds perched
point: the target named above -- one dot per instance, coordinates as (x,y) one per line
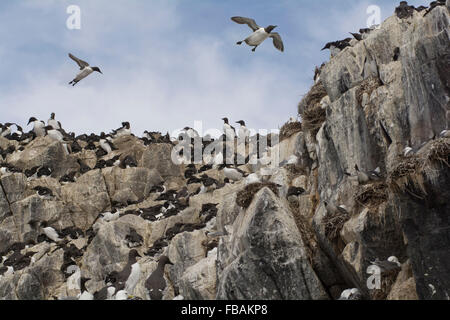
(121,284)
(403,11)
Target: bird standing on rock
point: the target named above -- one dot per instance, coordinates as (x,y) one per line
(38,127)
(259,34)
(228,130)
(155,284)
(53,123)
(244,133)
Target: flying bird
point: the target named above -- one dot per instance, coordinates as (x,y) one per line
(259,34)
(85,70)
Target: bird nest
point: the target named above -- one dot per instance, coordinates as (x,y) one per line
(313,115)
(244,197)
(289,129)
(387,281)
(372,195)
(410,173)
(367,86)
(334,222)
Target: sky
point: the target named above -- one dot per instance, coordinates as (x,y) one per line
(166,63)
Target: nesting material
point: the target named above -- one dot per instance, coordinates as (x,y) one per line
(387,281)
(372,195)
(410,173)
(244,197)
(313,115)
(367,86)
(289,129)
(334,223)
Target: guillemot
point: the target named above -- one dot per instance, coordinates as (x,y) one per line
(53,123)
(244,133)
(337,46)
(38,127)
(85,70)
(123,131)
(228,130)
(259,34)
(122,276)
(155,284)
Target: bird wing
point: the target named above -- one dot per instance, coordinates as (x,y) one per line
(277,42)
(80,62)
(248,21)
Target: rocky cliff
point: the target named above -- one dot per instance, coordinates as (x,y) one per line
(347,193)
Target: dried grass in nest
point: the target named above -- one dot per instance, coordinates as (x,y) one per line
(410,173)
(372,195)
(334,223)
(244,197)
(439,152)
(314,117)
(407,173)
(313,97)
(289,129)
(387,281)
(367,86)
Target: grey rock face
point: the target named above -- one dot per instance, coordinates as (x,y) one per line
(158,157)
(44,151)
(132,184)
(426,226)
(267,259)
(86,198)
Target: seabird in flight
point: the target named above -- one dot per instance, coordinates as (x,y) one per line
(259,34)
(85,70)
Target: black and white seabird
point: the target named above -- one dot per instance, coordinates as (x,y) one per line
(404,11)
(294,192)
(390,264)
(105,144)
(5,129)
(38,127)
(445,134)
(259,34)
(123,131)
(337,46)
(333,209)
(85,70)
(50,232)
(234,174)
(433,5)
(357,36)
(122,276)
(244,133)
(155,284)
(228,130)
(365,177)
(351,294)
(55,134)
(53,123)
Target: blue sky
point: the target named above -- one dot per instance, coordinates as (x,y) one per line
(166,63)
